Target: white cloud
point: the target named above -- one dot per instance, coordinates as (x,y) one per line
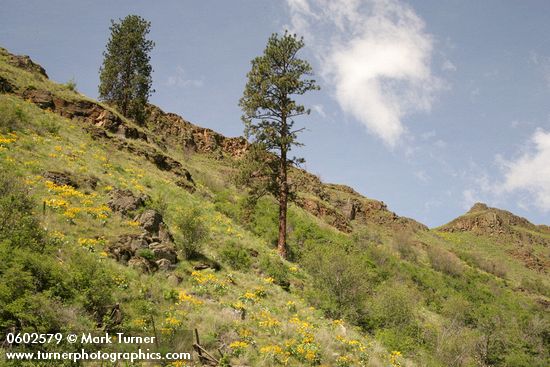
(319,109)
(530,172)
(179,79)
(448,66)
(377,55)
(422,176)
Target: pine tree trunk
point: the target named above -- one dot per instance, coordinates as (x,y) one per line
(283,202)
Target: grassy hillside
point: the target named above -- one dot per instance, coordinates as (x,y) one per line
(98,212)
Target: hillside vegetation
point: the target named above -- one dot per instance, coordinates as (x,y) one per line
(98,213)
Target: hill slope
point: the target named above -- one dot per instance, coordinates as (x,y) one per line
(146,217)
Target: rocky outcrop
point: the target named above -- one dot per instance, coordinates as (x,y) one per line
(484,220)
(5,86)
(23,62)
(124,201)
(326,213)
(149,220)
(100,120)
(151,250)
(175,130)
(66,178)
(60,178)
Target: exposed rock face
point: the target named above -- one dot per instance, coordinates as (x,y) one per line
(175,129)
(149,220)
(483,220)
(60,178)
(24,62)
(165,252)
(164,265)
(42,98)
(124,201)
(5,86)
(155,238)
(339,206)
(330,215)
(103,121)
(143,265)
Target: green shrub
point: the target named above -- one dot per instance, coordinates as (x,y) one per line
(341,281)
(403,243)
(48,124)
(236,256)
(32,281)
(492,266)
(275,268)
(12,117)
(444,261)
(146,254)
(225,203)
(393,305)
(18,226)
(191,231)
(71,85)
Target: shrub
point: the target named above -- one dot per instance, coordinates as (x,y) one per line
(402,242)
(17,224)
(32,281)
(491,266)
(236,256)
(393,305)
(275,268)
(456,346)
(71,85)
(159,202)
(444,261)
(191,231)
(340,280)
(146,254)
(11,117)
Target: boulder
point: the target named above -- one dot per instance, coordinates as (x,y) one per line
(121,251)
(143,265)
(5,86)
(60,178)
(124,201)
(174,280)
(164,234)
(164,252)
(149,220)
(164,264)
(108,121)
(42,98)
(25,62)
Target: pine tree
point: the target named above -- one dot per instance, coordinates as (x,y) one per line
(269,111)
(125,76)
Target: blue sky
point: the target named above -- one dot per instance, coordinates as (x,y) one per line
(427,105)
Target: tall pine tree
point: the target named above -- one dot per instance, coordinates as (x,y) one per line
(125,76)
(269,110)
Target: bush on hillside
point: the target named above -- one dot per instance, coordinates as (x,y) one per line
(276,269)
(341,281)
(393,306)
(235,256)
(11,117)
(403,243)
(444,261)
(191,232)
